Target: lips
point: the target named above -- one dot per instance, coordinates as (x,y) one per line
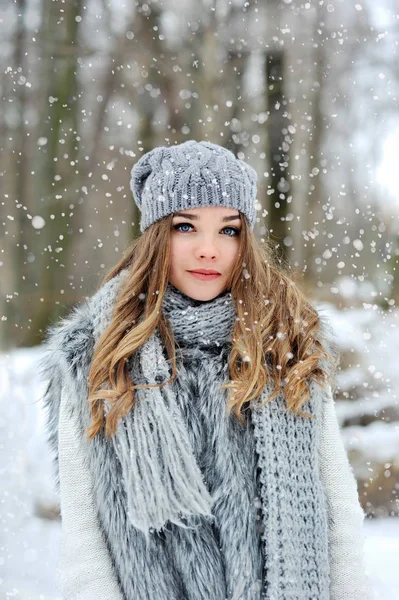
(204,275)
(205,272)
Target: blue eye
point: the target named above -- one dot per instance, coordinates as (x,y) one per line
(177,228)
(236,231)
(181,225)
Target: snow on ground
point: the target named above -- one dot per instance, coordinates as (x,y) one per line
(29,544)
(382,556)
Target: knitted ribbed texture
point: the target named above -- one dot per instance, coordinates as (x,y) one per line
(294,505)
(189,175)
(75,577)
(197,322)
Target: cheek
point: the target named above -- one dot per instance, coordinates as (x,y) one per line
(180,242)
(178,250)
(233,250)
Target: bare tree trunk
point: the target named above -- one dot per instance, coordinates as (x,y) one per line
(58,164)
(305,70)
(21,159)
(277,149)
(237,61)
(18,272)
(314,214)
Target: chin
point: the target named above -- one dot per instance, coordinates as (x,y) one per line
(204,295)
(200,290)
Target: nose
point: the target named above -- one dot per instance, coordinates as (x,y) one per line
(207,249)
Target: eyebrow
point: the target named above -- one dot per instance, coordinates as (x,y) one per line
(193,217)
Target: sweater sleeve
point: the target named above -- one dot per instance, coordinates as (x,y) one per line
(349,580)
(84,569)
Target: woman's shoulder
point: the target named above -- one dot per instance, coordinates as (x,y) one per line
(327,337)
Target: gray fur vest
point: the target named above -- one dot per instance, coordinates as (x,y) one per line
(239,512)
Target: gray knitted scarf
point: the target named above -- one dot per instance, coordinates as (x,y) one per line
(162,479)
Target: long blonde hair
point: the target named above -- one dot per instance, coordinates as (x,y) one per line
(274,338)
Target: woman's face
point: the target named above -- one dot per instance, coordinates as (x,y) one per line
(204,238)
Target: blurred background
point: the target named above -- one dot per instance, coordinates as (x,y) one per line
(305,92)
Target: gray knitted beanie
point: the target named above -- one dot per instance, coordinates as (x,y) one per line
(189,175)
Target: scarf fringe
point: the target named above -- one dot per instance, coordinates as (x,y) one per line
(161,477)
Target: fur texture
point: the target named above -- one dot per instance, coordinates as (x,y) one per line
(168,484)
(268,537)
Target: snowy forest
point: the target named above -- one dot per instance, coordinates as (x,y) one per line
(308,94)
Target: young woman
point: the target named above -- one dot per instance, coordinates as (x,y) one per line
(190,410)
